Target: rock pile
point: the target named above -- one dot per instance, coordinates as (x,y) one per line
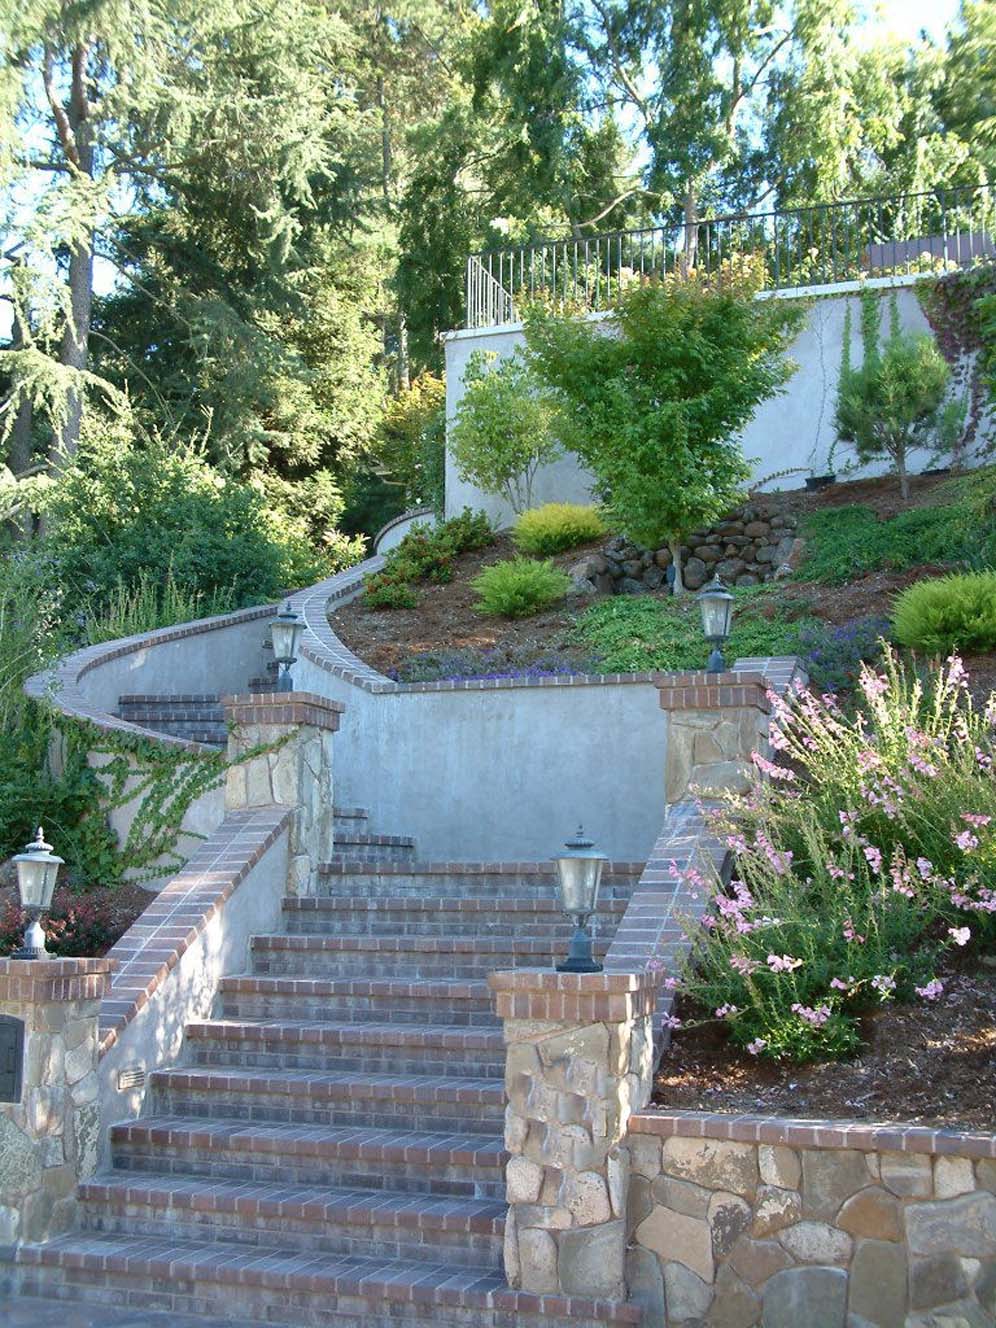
(757,542)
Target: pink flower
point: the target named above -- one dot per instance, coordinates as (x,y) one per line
(975,818)
(769,768)
(874,857)
(671,1021)
(816,1018)
(783,963)
(873,684)
(931,991)
(671,984)
(757,1046)
(925,867)
(966,841)
(850,934)
(960,935)
(837,984)
(744,966)
(883,984)
(727,1011)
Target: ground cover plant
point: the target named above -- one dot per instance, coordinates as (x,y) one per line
(955,612)
(555,527)
(867,854)
(519,587)
(843,543)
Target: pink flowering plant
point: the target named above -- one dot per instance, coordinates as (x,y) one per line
(866,852)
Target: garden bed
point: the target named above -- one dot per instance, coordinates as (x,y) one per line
(100,916)
(929,1064)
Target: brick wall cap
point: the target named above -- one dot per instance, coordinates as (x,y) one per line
(56,968)
(542,980)
(241,699)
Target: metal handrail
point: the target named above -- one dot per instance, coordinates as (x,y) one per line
(814,244)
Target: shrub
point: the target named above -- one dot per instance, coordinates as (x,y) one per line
(555,527)
(151,603)
(502,432)
(833,656)
(654,412)
(411,441)
(425,554)
(636,634)
(519,586)
(511,660)
(76,926)
(846,542)
(956,612)
(867,855)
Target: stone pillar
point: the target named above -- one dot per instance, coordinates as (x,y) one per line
(293,768)
(49,1112)
(579,1062)
(716,721)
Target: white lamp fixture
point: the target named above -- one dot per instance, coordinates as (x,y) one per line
(716,604)
(37,869)
(580,873)
(285,632)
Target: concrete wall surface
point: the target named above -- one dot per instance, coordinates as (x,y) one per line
(793,430)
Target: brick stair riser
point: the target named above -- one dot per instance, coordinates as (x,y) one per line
(362,1009)
(381,1113)
(350,845)
(445,917)
(556,933)
(322,1234)
(412,964)
(180,713)
(249,1304)
(390,1059)
(468,1180)
(391,885)
(349,823)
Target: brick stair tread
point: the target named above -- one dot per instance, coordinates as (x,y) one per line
(482,945)
(539,872)
(169,698)
(331,1084)
(307,1202)
(378,1034)
(348,1142)
(449,989)
(357,837)
(292,1271)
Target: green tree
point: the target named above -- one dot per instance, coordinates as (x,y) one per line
(895,400)
(654,411)
(502,432)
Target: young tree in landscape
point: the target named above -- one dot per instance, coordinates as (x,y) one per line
(502,433)
(896,399)
(654,411)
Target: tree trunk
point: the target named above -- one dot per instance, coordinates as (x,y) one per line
(904,479)
(678,585)
(19,457)
(404,363)
(691,219)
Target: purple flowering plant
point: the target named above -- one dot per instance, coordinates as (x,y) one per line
(864,850)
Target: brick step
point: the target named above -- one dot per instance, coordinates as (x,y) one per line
(385,1101)
(455,1001)
(215,735)
(441,915)
(184,713)
(271,1286)
(359,846)
(349,819)
(463,880)
(405,956)
(466,1165)
(178,699)
(422,1227)
(367,1048)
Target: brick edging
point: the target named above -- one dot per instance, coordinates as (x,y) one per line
(415,514)
(152,947)
(794,1132)
(283,708)
(40,980)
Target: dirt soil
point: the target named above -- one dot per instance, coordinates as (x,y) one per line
(445,617)
(927,1064)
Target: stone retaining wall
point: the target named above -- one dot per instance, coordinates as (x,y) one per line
(742,1221)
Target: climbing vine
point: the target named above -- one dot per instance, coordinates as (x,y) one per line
(961,311)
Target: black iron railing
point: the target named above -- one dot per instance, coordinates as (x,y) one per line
(933,231)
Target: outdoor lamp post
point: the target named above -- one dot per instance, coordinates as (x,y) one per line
(37,868)
(716,604)
(285,632)
(580,871)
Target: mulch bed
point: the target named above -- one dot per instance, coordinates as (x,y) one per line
(928,1064)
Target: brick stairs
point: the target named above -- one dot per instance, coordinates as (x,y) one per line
(330,1153)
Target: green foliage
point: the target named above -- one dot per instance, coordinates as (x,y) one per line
(956,612)
(412,441)
(557,526)
(425,554)
(653,412)
(124,511)
(895,400)
(847,542)
(502,432)
(637,634)
(867,854)
(76,926)
(518,587)
(148,604)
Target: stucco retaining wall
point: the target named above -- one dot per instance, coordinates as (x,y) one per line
(795,429)
(738,1221)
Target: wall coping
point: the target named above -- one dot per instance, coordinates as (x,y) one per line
(414,514)
(288,708)
(865,1136)
(578,998)
(43,980)
(153,945)
(60,684)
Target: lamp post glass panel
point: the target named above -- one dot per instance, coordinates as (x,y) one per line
(37,869)
(285,632)
(580,873)
(716,605)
